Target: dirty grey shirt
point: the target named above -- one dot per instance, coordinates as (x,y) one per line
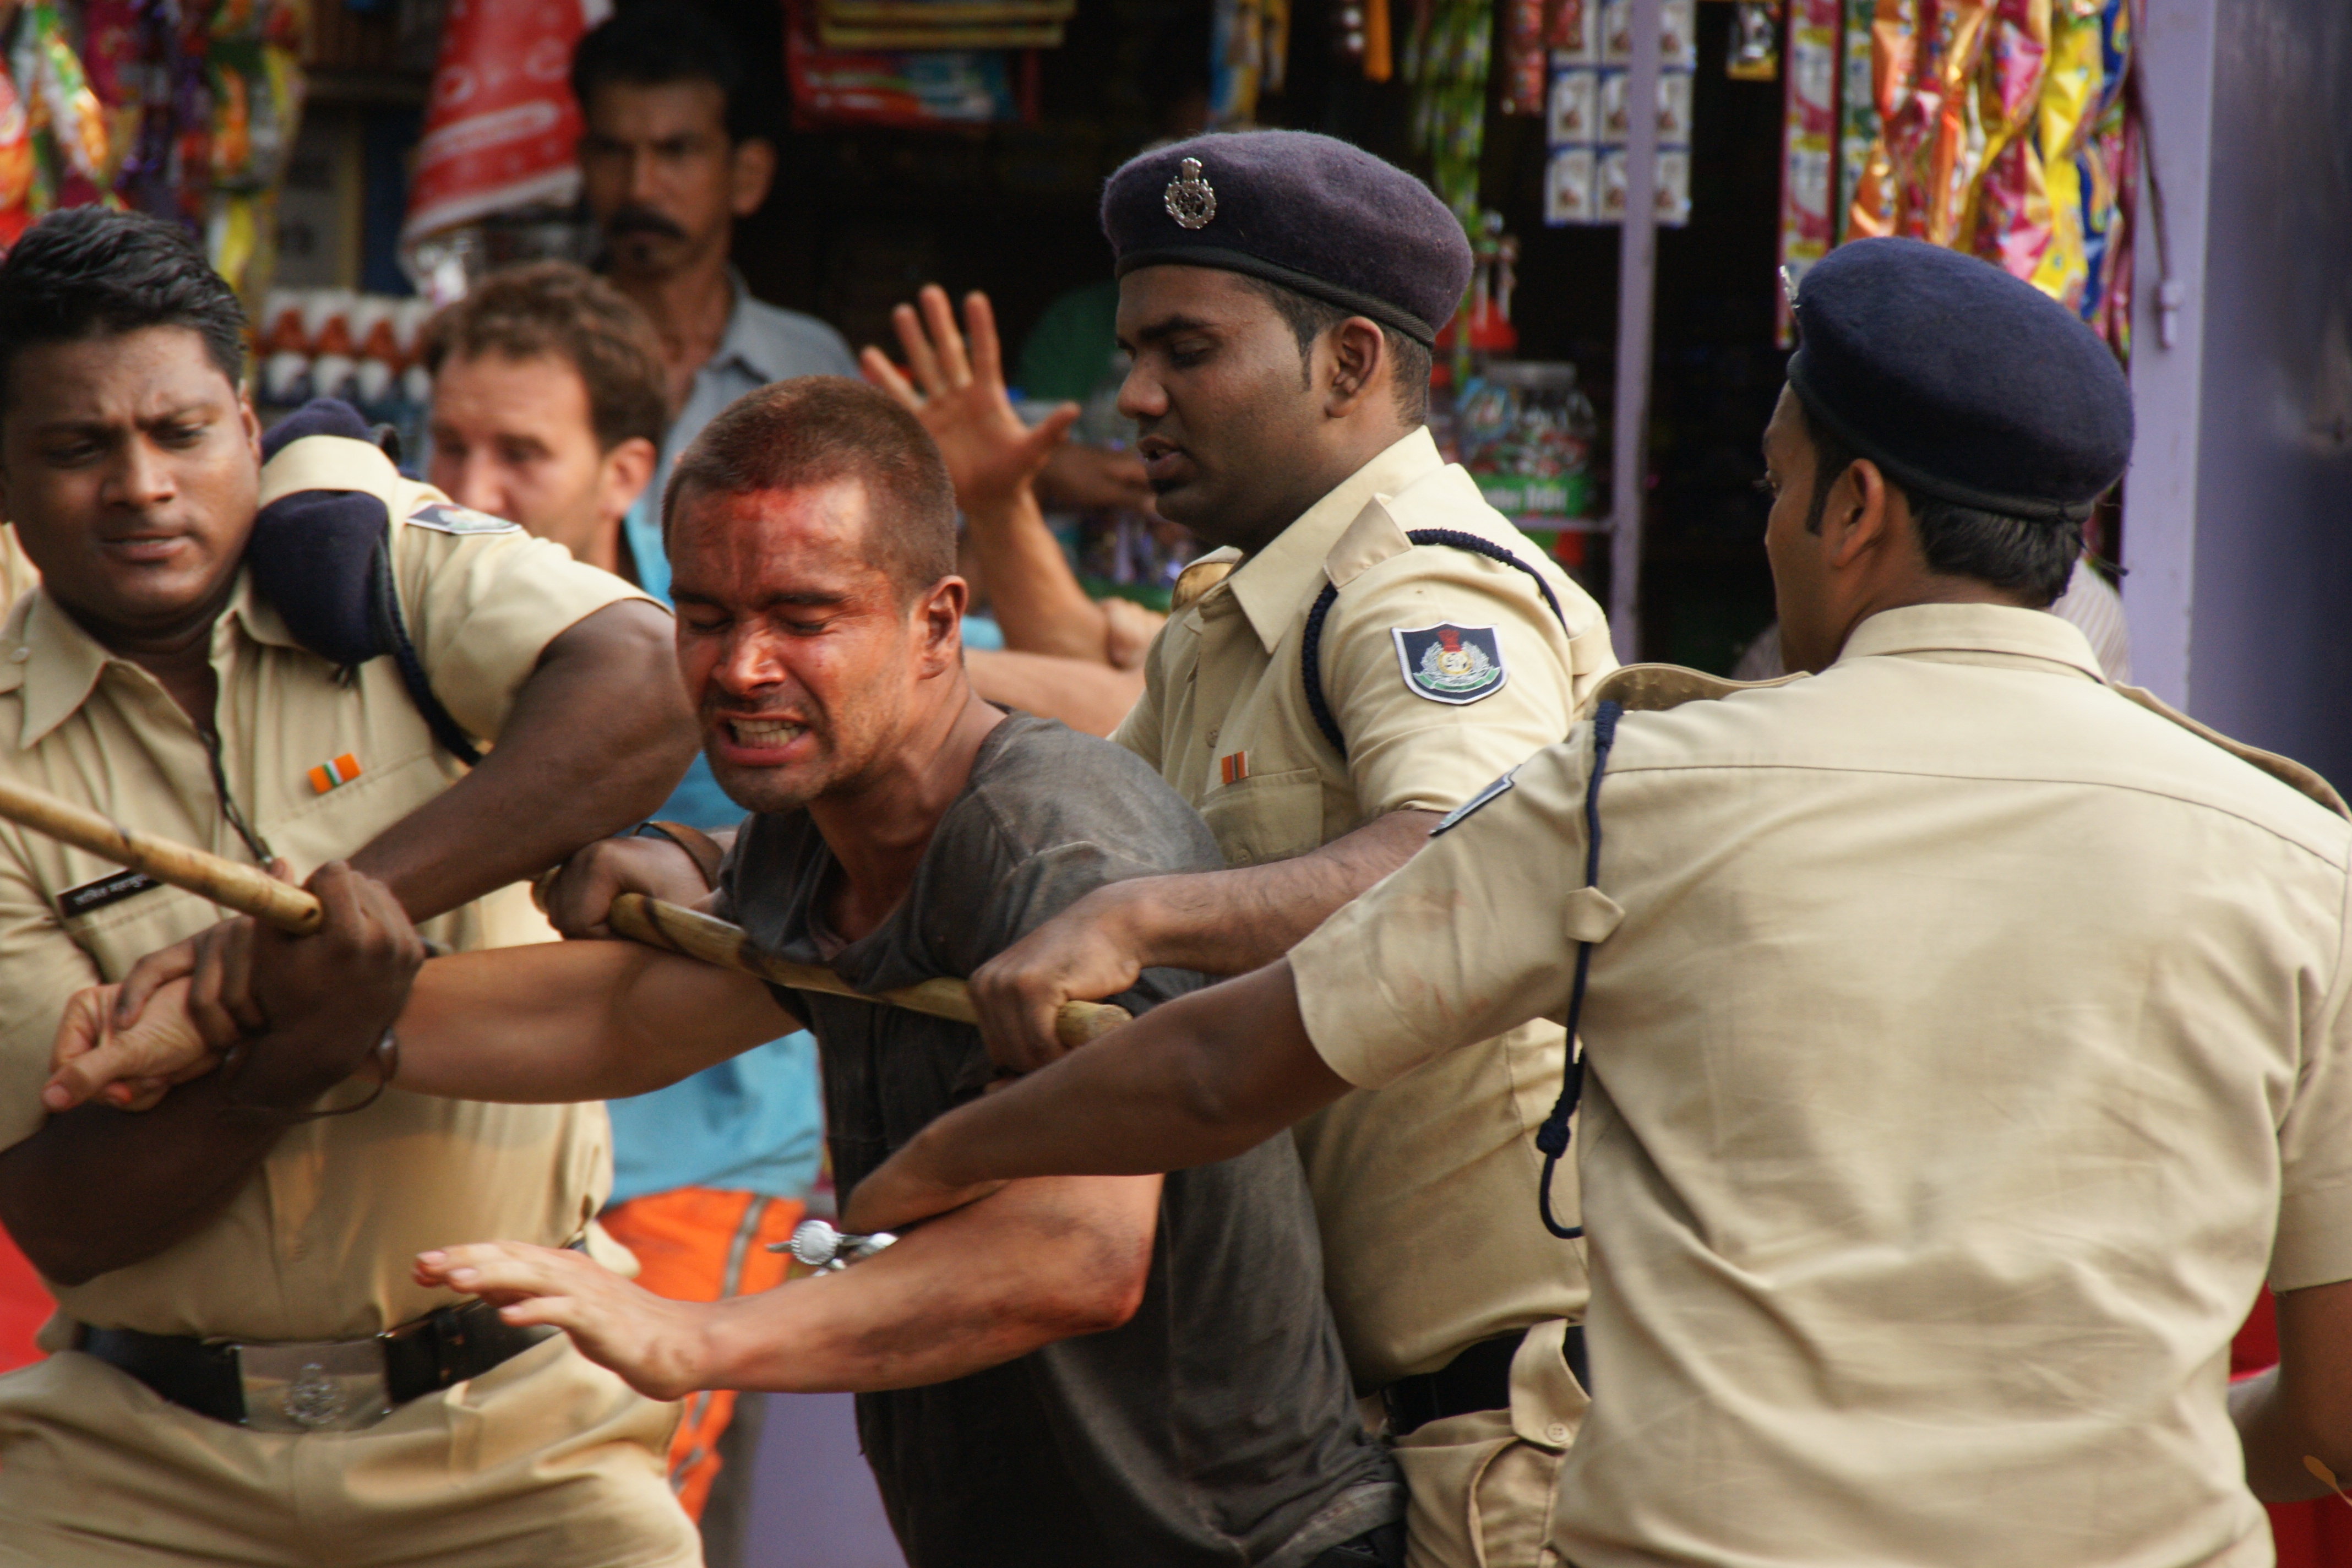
(1217,1427)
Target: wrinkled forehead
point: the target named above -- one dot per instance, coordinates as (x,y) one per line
(631,111)
(749,546)
(103,376)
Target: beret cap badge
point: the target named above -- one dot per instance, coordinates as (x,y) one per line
(1190,200)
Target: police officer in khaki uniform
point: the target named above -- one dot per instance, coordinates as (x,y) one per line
(1965,1038)
(244,1370)
(1385,645)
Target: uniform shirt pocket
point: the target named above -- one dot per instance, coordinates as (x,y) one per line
(1268,816)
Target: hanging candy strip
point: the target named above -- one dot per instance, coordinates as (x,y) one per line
(2011,214)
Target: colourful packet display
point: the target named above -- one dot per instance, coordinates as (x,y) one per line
(1755,53)
(67,110)
(1570,28)
(1894,59)
(2068,107)
(15,163)
(2004,131)
(1808,132)
(1525,57)
(1445,64)
(1857,111)
(2011,216)
(2102,158)
(1955,139)
(1236,62)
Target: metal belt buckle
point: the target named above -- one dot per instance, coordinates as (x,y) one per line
(325,1386)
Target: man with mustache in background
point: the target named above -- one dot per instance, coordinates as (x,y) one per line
(670,161)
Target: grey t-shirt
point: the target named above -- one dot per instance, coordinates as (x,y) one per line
(1217,1427)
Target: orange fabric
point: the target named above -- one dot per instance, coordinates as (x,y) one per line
(699,1244)
(2315,1534)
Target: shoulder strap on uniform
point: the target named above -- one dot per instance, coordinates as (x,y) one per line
(2287,770)
(436,716)
(1310,646)
(1552,1137)
(1657,688)
(323,557)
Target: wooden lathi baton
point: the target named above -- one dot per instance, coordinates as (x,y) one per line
(697,935)
(250,890)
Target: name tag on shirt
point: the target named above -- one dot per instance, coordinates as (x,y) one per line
(106,890)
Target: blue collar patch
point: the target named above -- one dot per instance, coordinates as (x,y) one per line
(1446,663)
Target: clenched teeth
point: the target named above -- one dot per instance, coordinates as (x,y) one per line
(763,732)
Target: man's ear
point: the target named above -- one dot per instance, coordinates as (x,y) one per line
(940,614)
(1360,365)
(627,468)
(252,421)
(751,168)
(1858,516)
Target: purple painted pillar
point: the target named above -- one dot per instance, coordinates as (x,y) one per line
(2238,527)
(815,1506)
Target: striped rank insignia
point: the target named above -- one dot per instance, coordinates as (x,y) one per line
(1234,766)
(341,771)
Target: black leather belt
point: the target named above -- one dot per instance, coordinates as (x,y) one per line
(1477,1379)
(327,1386)
(1380,1548)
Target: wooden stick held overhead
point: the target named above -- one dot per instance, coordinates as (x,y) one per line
(250,890)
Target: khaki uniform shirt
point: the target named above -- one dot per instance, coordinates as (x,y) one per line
(18,576)
(1967,1038)
(1223,717)
(317,1245)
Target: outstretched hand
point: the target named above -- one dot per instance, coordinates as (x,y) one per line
(131,1066)
(958,391)
(659,1347)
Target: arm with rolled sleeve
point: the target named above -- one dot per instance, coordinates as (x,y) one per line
(2302,1408)
(1472,938)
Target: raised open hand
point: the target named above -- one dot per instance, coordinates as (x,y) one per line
(958,391)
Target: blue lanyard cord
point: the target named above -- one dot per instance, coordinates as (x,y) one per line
(1552,1137)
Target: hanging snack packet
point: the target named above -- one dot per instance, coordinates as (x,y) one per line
(2101,159)
(1524,58)
(1874,209)
(2071,91)
(76,120)
(15,163)
(1954,153)
(2011,217)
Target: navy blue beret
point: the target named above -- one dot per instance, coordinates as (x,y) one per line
(1960,380)
(1308,212)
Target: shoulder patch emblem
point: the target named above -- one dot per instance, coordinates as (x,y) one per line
(1446,663)
(446,517)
